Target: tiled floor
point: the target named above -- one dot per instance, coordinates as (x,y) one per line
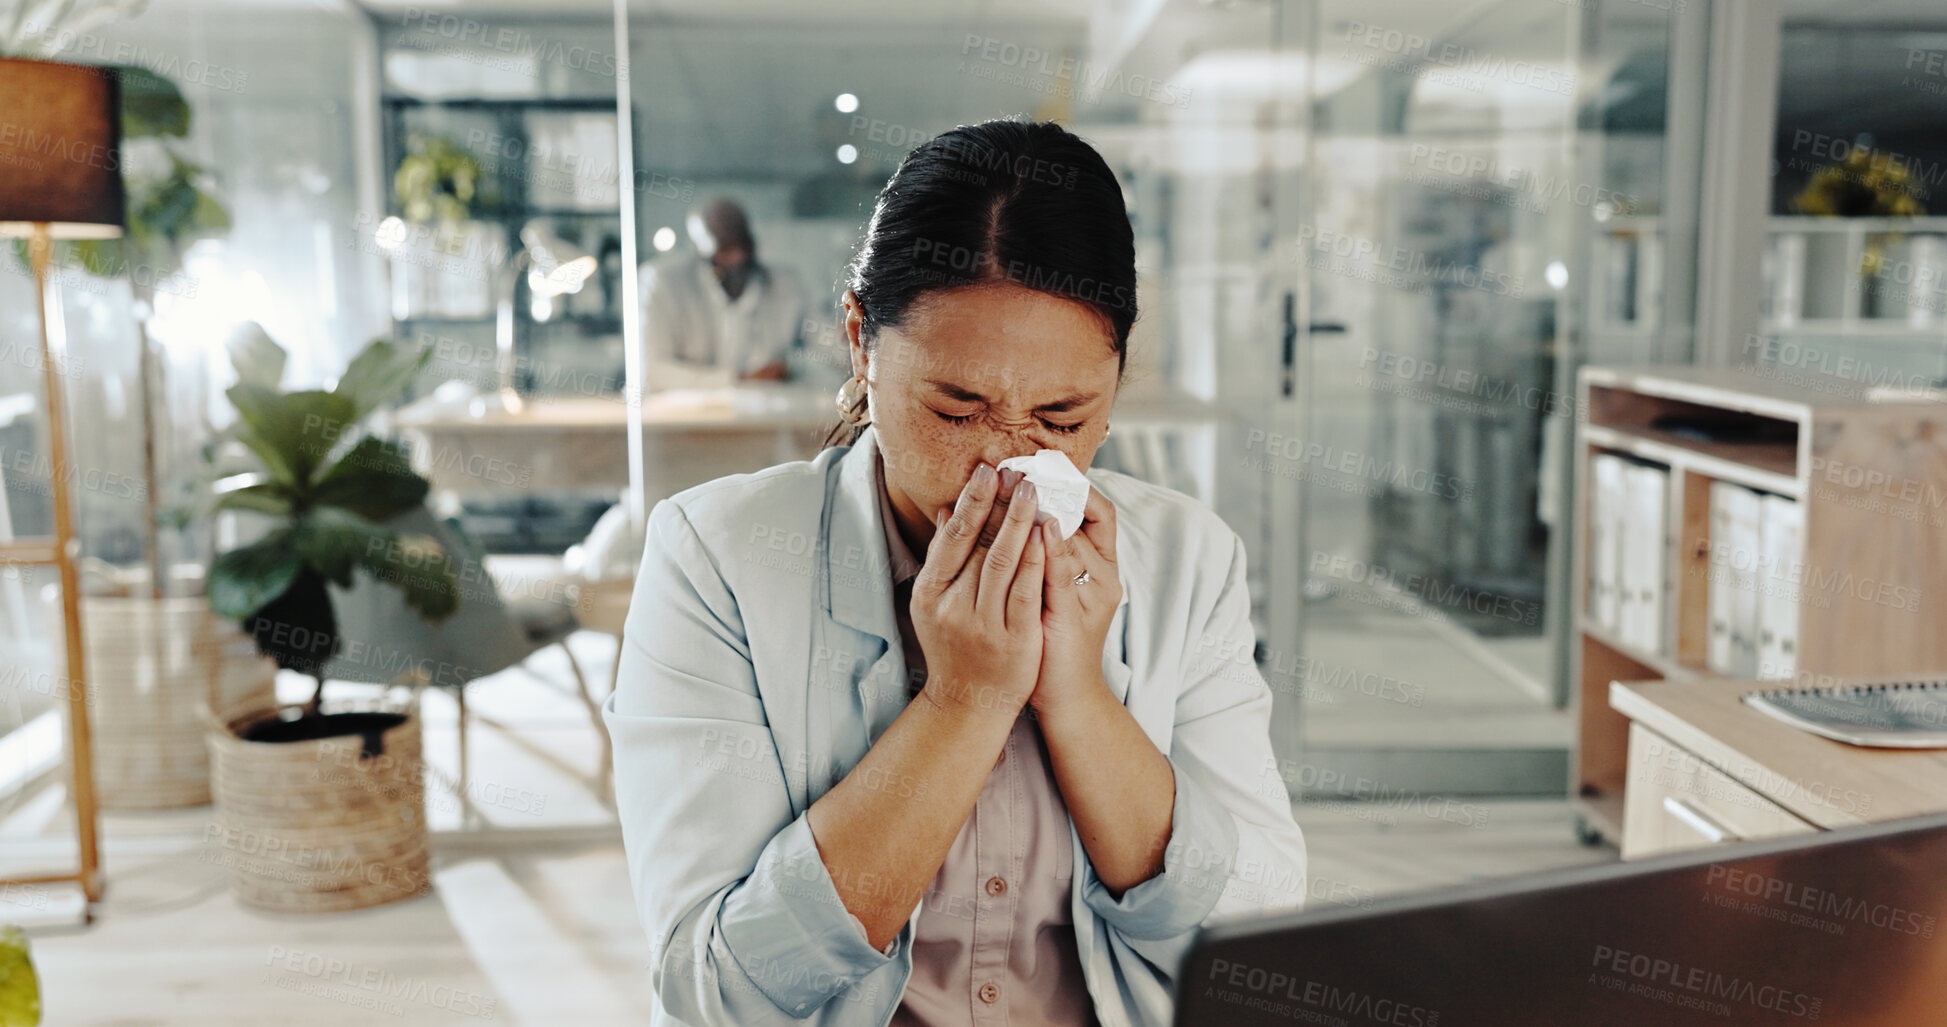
(1462,691)
(540,929)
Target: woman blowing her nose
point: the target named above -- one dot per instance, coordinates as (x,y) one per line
(890,749)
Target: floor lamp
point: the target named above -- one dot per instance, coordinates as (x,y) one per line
(60,178)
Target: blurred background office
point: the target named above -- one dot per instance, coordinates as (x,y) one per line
(1376,241)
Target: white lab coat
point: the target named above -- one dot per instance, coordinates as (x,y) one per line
(687,318)
(761,659)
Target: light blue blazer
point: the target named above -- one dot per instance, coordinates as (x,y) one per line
(762,658)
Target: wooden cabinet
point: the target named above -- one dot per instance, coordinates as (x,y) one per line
(1869,474)
(1704,768)
(1675,801)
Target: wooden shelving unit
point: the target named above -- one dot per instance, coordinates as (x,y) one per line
(1872,480)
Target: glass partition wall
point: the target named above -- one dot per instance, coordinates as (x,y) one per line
(1199,110)
(255,174)
(1486,212)
(245,150)
(321,178)
(1855,265)
(1374,241)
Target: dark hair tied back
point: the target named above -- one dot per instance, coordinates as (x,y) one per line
(1025,202)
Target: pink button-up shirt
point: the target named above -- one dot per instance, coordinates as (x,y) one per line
(994,942)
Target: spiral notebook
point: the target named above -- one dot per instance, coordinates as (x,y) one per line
(1894,714)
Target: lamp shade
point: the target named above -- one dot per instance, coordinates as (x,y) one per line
(60,149)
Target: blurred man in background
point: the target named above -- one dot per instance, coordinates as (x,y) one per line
(718,315)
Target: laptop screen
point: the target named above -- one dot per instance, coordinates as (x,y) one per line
(1841,928)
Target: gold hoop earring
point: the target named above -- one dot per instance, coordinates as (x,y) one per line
(851,401)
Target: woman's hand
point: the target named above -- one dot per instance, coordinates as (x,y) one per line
(1075,619)
(977,601)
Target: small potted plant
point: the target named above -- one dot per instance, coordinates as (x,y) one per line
(1870,183)
(442,259)
(320,809)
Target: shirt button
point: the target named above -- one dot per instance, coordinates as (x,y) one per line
(990,993)
(996,886)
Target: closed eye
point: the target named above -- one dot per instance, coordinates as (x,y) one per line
(1065,429)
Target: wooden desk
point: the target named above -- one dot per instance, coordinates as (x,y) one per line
(1705,768)
(580,443)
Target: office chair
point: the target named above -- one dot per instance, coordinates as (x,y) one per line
(382,638)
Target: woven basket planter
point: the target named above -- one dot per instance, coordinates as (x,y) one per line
(152,664)
(317,826)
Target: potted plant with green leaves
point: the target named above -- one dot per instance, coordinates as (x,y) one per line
(442,259)
(436,180)
(1869,183)
(319,809)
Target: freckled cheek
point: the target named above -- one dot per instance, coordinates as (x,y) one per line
(935,459)
(949,463)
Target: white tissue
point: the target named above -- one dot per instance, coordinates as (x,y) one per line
(1059,487)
